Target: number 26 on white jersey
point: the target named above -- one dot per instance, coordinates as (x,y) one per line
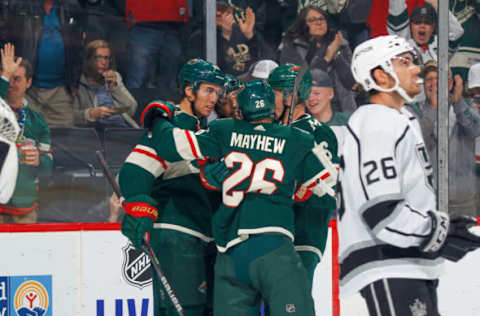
(256,173)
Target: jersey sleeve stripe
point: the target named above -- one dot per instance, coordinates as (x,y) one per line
(185,143)
(401,137)
(140,150)
(359,160)
(193,144)
(396,231)
(380,212)
(146,162)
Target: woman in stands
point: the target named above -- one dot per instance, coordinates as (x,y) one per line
(331,53)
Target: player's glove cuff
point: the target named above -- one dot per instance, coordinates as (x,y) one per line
(438,234)
(141,209)
(157,110)
(460,240)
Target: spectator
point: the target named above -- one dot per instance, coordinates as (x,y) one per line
(377,20)
(319,104)
(47,33)
(34,150)
(259,70)
(102,100)
(464,126)
(419,30)
(332,53)
(153,38)
(474,91)
(468,50)
(239,45)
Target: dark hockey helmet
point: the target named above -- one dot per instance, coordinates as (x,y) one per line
(232,83)
(196,71)
(283,78)
(256,100)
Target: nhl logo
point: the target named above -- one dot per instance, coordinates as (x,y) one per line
(136,268)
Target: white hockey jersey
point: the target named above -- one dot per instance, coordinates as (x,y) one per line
(386,192)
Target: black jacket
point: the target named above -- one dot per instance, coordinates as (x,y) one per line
(24,24)
(234,56)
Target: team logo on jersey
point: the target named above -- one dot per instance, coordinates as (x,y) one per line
(26,295)
(136,268)
(290,308)
(418,308)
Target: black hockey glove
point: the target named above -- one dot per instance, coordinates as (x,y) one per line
(156,110)
(450,238)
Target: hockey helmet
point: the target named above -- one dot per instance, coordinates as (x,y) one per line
(9,128)
(197,71)
(232,83)
(283,78)
(256,100)
(378,52)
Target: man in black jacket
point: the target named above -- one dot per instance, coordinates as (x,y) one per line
(48,32)
(239,44)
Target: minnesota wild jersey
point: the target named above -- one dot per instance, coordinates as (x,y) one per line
(25,195)
(312,216)
(268,161)
(173,187)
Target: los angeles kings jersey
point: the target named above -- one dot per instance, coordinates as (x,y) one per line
(386,192)
(268,161)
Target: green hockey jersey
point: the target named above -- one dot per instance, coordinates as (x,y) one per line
(268,161)
(173,187)
(313,215)
(25,195)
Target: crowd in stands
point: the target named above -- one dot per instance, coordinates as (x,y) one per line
(96,64)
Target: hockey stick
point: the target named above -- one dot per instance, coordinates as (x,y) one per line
(145,245)
(303,70)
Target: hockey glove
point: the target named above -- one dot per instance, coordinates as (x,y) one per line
(156,110)
(450,238)
(460,240)
(212,175)
(138,220)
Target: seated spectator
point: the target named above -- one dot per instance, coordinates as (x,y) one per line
(319,104)
(154,41)
(102,100)
(332,53)
(468,50)
(239,45)
(464,126)
(420,28)
(48,33)
(35,155)
(259,70)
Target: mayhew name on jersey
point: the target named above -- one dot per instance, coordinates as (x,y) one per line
(258,142)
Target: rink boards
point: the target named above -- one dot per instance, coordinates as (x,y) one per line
(91,269)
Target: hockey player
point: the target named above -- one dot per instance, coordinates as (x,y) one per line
(392,238)
(254,227)
(179,208)
(311,217)
(9,131)
(228,105)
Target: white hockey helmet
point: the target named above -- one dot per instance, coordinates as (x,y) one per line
(9,128)
(378,52)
